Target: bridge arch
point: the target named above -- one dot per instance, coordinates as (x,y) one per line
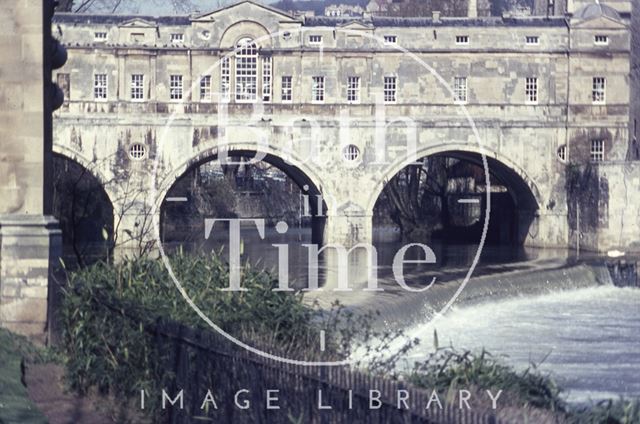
(84,209)
(526,199)
(303,175)
(502,167)
(91,166)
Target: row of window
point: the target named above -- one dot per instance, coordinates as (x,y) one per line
(246,87)
(351,152)
(317,39)
(103,36)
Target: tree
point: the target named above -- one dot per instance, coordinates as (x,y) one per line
(113,6)
(416,198)
(418,8)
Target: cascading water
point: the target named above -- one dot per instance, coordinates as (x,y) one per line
(589,338)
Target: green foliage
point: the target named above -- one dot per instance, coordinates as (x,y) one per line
(622,411)
(448,370)
(109,311)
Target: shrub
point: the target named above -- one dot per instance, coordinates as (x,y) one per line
(448,370)
(109,313)
(107,309)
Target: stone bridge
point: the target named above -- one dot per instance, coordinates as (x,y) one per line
(529,107)
(314,157)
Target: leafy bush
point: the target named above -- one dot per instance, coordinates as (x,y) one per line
(622,411)
(107,308)
(109,313)
(448,370)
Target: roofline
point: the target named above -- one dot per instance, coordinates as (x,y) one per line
(263,6)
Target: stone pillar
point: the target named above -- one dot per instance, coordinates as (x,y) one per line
(348,230)
(29,239)
(134,234)
(30,247)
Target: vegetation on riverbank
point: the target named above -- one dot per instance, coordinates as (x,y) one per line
(448,370)
(108,313)
(108,309)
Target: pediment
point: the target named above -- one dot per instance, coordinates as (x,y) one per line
(602,22)
(355,26)
(243,9)
(137,23)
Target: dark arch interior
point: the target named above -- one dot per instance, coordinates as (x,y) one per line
(294,188)
(84,211)
(513,204)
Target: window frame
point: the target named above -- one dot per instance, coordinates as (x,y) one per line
(225,79)
(561,153)
(318,87)
(100,39)
(205,88)
(246,74)
(532,40)
(319,42)
(596,151)
(104,88)
(267,78)
(286,92)
(135,88)
(390,39)
(177,38)
(601,40)
(176,87)
(599,91)
(354,84)
(531,91)
(462,40)
(390,89)
(457,90)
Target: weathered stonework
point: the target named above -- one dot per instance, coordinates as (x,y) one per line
(30,248)
(521,139)
(29,240)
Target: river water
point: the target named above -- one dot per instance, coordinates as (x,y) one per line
(588,339)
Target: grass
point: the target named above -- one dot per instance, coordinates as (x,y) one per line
(15,405)
(448,370)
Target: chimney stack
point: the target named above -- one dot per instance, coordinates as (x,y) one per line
(436,16)
(472,10)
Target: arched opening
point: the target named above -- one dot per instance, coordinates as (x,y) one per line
(270,190)
(84,211)
(442,200)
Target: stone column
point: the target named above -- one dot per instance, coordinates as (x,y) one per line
(134,234)
(29,239)
(348,229)
(30,247)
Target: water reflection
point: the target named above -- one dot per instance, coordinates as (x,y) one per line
(361,267)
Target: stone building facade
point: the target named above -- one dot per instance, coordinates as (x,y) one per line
(545,94)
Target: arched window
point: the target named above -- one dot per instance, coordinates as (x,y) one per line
(246,70)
